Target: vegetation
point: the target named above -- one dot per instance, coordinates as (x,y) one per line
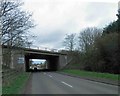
(15,23)
(69,42)
(97,49)
(14,28)
(16,85)
(91,74)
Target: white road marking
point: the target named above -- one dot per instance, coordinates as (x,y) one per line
(67,84)
(50,75)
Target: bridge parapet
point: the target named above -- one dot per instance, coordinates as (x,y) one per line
(44,48)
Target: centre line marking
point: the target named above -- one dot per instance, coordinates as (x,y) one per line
(67,84)
(50,75)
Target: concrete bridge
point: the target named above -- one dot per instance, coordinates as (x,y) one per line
(20,58)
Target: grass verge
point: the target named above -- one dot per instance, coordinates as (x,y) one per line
(16,85)
(91,74)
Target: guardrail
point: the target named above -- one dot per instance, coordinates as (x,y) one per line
(44,48)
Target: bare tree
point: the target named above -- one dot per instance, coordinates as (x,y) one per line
(87,37)
(15,22)
(69,42)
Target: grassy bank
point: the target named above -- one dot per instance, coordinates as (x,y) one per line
(91,74)
(16,85)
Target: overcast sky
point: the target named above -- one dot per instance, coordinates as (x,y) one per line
(55,18)
(38,61)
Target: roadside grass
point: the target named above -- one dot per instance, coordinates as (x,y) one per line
(91,74)
(16,85)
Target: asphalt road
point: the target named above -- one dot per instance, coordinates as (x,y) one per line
(54,83)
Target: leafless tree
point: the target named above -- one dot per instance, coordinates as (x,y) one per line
(15,22)
(69,42)
(87,37)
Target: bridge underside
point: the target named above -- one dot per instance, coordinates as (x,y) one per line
(53,61)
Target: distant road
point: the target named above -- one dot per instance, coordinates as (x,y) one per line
(54,83)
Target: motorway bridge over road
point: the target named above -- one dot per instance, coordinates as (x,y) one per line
(20,58)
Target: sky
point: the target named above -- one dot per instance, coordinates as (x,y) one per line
(38,61)
(56,18)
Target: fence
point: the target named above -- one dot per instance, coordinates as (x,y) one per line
(8,76)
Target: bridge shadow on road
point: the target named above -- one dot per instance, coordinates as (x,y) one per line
(41,70)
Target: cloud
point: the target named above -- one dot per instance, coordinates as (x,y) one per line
(55,18)
(102,13)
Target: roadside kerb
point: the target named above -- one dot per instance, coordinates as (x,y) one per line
(25,85)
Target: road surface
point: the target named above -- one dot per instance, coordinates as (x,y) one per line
(54,83)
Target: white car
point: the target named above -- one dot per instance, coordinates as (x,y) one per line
(31,67)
